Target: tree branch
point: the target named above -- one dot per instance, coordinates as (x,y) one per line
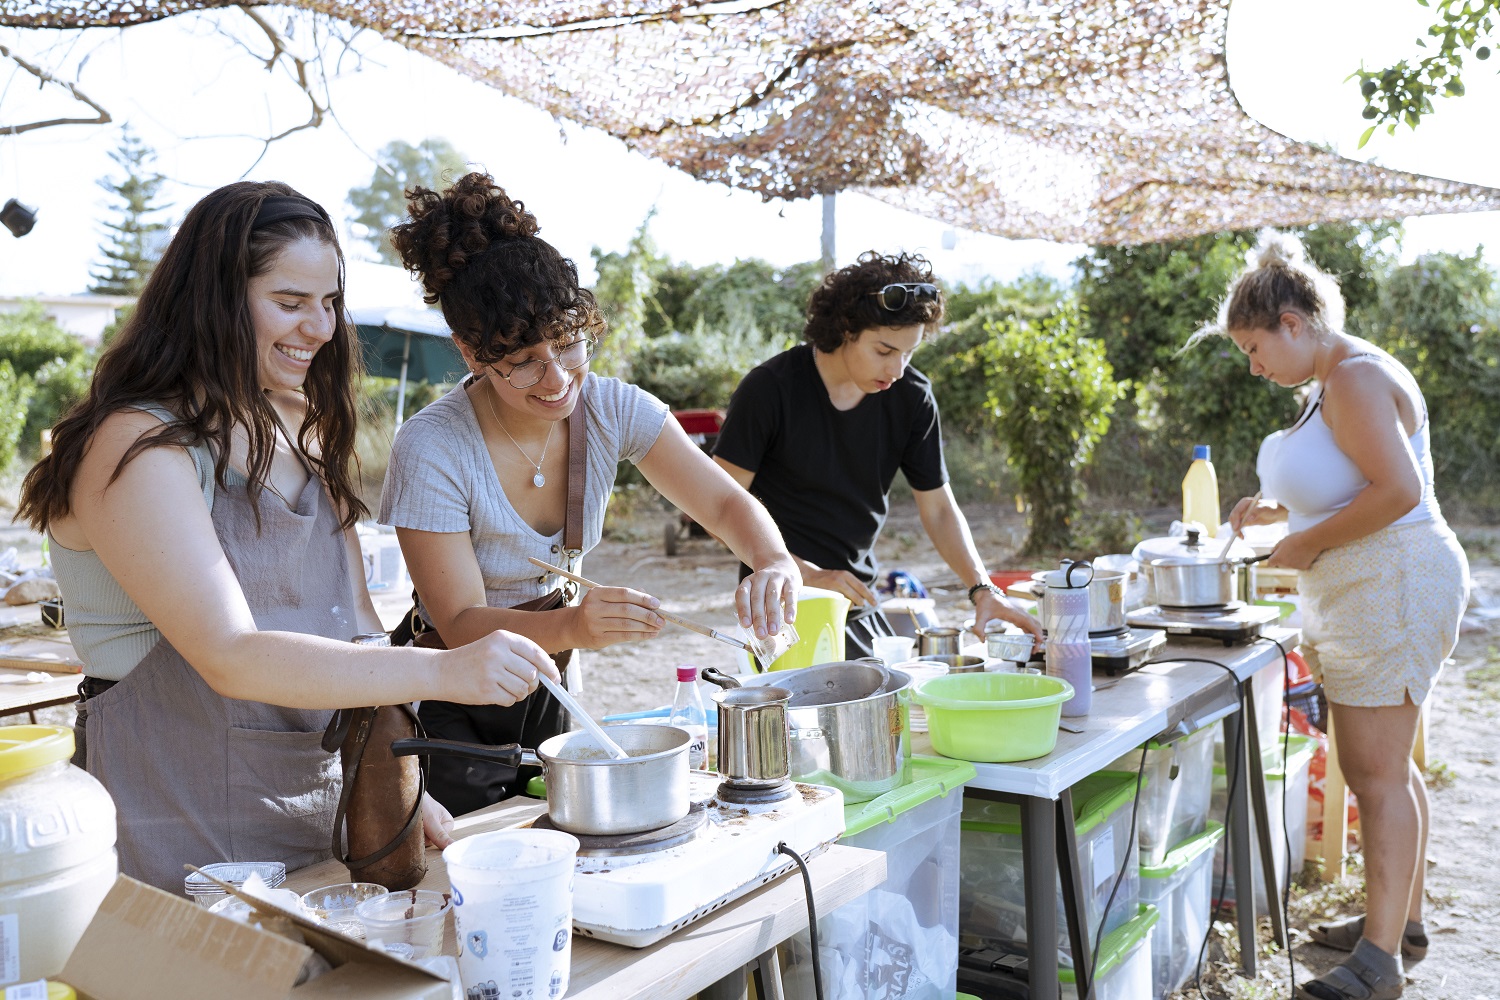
(279,49)
(42,75)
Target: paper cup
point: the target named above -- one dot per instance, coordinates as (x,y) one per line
(513,903)
(893,649)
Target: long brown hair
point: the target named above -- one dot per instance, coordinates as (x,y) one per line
(190,347)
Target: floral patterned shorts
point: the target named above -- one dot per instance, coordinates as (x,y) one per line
(1381,614)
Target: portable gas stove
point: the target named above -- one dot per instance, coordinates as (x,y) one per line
(1232,624)
(636,889)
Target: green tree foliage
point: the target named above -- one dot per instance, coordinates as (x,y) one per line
(399,167)
(1404,92)
(15,394)
(1051,393)
(623,290)
(51,367)
(133,240)
(1441,317)
(700,370)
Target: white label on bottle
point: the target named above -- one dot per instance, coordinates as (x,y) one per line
(27,991)
(10,948)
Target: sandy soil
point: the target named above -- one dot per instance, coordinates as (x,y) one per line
(1463,888)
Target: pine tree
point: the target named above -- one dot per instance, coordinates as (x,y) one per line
(133,243)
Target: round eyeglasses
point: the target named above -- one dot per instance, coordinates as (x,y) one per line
(895,297)
(573,354)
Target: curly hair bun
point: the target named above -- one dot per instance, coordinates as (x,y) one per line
(446,231)
(1273,249)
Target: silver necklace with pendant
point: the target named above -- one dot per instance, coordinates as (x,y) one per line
(537,480)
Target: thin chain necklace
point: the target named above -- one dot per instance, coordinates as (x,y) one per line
(537,480)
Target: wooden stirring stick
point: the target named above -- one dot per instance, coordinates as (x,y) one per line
(686,623)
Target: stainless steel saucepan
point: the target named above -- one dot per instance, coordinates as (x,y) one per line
(587,791)
(1195,578)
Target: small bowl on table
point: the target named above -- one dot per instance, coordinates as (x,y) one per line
(334,906)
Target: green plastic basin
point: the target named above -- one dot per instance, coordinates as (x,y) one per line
(993,717)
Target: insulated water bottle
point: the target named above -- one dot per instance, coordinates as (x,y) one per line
(1069,654)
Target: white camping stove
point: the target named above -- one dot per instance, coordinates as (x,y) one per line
(1233,624)
(636,889)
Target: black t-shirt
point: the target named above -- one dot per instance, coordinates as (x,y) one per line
(824,474)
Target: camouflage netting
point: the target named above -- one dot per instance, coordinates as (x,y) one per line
(1080,121)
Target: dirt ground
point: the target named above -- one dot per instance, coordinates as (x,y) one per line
(1463,887)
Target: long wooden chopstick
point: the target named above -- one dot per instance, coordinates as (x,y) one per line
(686,623)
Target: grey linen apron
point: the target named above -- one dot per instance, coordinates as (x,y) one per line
(198,777)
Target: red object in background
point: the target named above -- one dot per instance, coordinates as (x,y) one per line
(700,422)
(1297,670)
(1003,578)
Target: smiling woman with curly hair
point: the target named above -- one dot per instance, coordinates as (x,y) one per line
(479,480)
(819,432)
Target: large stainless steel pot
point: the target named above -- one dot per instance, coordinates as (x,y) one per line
(1106,599)
(847,723)
(587,791)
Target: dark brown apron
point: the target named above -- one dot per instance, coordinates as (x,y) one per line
(198,777)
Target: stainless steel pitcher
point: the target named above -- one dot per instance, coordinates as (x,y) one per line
(753,736)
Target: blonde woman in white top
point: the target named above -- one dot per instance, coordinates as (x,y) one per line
(1384,581)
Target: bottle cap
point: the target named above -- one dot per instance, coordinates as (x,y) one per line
(688,674)
(1200,451)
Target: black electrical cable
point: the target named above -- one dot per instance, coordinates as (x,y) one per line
(812,917)
(1140,774)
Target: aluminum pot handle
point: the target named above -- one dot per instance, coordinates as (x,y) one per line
(509,754)
(716,676)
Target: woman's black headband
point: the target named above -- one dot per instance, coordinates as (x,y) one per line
(279,208)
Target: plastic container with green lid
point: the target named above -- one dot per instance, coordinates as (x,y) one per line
(906,929)
(992,889)
(1286,804)
(1175,799)
(1124,968)
(1181,888)
(58,861)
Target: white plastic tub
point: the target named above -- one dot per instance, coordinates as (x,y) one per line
(900,939)
(1286,796)
(1175,793)
(992,896)
(1181,889)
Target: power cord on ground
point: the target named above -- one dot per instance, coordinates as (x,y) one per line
(812,917)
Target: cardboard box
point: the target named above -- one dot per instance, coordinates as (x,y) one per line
(146,944)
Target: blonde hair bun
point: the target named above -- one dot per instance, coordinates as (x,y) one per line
(1273,248)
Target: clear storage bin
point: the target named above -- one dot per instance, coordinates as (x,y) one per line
(1267,687)
(1124,969)
(992,895)
(1286,796)
(1175,793)
(1181,889)
(900,939)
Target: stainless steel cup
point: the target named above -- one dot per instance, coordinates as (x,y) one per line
(753,736)
(939,641)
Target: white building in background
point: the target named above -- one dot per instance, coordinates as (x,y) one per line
(84,316)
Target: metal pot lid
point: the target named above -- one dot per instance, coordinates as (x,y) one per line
(1180,550)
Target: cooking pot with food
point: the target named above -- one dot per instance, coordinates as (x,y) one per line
(1193,574)
(588,792)
(846,723)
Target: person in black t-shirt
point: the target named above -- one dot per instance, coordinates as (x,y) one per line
(819,431)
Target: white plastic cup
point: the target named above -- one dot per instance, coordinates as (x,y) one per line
(893,649)
(513,902)
(408,923)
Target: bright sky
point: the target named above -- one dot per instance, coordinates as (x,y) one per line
(199,100)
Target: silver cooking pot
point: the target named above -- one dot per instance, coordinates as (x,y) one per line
(1194,578)
(847,723)
(1106,598)
(588,792)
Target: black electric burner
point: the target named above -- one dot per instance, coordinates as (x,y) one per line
(1232,624)
(738,795)
(1126,650)
(646,842)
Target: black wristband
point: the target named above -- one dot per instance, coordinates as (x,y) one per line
(984,586)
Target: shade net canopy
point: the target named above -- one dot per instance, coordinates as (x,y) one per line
(1079,121)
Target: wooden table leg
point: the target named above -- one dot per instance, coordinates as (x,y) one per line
(768,984)
(1039,865)
(1335,811)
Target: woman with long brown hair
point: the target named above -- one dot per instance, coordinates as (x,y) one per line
(199,505)
(481,479)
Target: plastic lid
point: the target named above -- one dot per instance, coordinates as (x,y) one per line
(1200,451)
(926,778)
(1095,798)
(1185,852)
(23,749)
(687,674)
(1119,943)
(1298,747)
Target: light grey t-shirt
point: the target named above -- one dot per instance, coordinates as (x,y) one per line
(441,479)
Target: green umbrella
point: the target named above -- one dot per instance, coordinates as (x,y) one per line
(408,343)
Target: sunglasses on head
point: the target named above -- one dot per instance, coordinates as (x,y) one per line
(897,296)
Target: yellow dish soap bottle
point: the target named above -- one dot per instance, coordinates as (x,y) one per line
(1200,492)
